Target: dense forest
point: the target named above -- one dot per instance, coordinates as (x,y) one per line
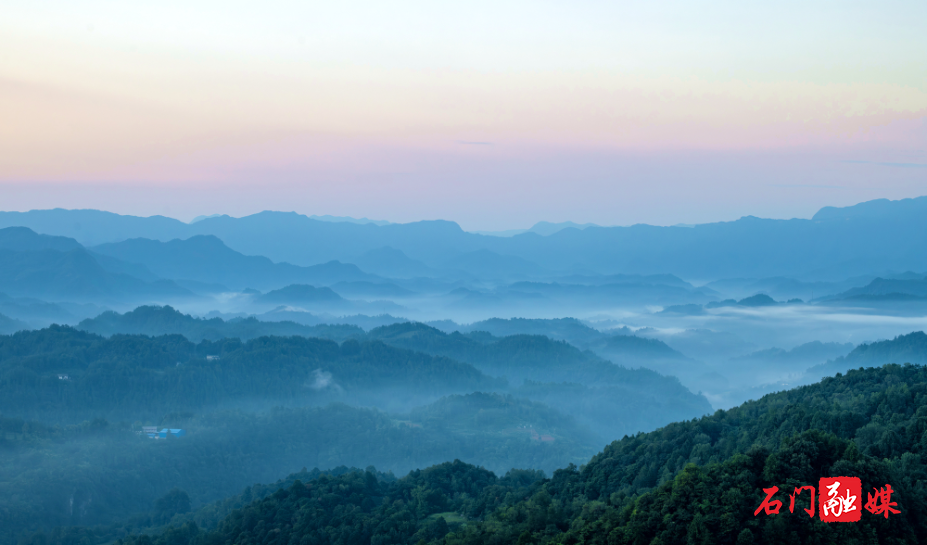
(97,472)
(612,399)
(76,468)
(74,402)
(479,344)
(515,354)
(155,321)
(698,481)
(60,374)
(636,399)
(519,356)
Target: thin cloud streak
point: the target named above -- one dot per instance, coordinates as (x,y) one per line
(888,164)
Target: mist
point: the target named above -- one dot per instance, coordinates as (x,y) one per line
(151,370)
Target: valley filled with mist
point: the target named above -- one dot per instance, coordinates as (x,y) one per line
(192,383)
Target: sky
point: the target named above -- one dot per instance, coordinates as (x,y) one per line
(492,114)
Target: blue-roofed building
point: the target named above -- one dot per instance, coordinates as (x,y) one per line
(163,433)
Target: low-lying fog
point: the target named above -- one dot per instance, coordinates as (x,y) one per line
(726,346)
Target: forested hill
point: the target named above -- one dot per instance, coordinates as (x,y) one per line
(533,355)
(62,374)
(910,348)
(611,399)
(156,320)
(9,325)
(571,330)
(130,377)
(518,357)
(105,476)
(692,482)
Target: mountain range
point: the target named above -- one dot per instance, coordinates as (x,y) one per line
(53,267)
(870,237)
(205,258)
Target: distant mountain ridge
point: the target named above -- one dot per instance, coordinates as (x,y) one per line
(391,262)
(872,236)
(542,228)
(205,258)
(300,294)
(348,219)
(23,239)
(910,348)
(886,288)
(10,325)
(155,321)
(52,267)
(815,350)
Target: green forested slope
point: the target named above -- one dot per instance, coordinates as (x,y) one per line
(540,358)
(99,473)
(133,377)
(692,482)
(155,321)
(518,356)
(614,400)
(356,507)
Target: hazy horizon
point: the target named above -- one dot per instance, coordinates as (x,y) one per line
(493,115)
(625,269)
(323,215)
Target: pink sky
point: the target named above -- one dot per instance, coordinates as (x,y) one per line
(496,116)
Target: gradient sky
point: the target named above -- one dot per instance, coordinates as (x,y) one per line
(493,114)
